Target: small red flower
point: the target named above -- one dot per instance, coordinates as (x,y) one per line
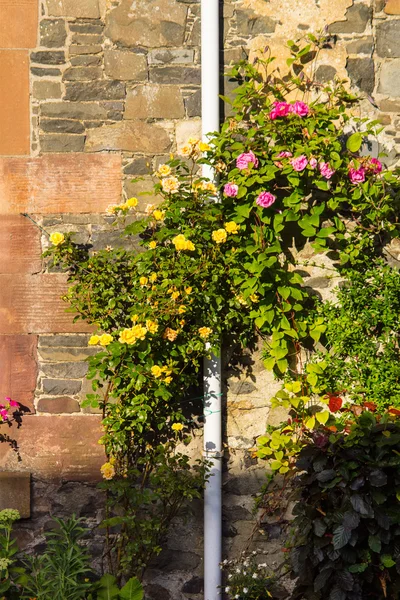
(370,405)
(335,403)
(394,411)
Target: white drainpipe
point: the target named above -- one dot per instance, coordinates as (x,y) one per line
(212,367)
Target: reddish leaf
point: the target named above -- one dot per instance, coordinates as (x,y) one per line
(335,403)
(357,410)
(394,411)
(370,405)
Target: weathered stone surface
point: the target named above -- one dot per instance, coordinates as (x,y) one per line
(44,90)
(74,110)
(125,65)
(87,26)
(55,387)
(95,90)
(56,341)
(390,105)
(61,405)
(61,125)
(87,39)
(85,60)
(62,143)
(362,73)
(82,74)
(14,102)
(392,7)
(47,57)
(388,39)
(114,238)
(20,247)
(154,101)
(15,492)
(357,18)
(45,72)
(325,73)
(363,46)
(70,354)
(171,56)
(180,75)
(130,136)
(186,130)
(193,104)
(195,585)
(251,23)
(149,23)
(81,49)
(139,166)
(82,9)
(18,371)
(56,448)
(18,24)
(389,81)
(65,370)
(145,185)
(173,560)
(53,33)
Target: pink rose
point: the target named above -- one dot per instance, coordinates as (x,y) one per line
(357,175)
(231,190)
(375,165)
(325,170)
(285,154)
(265,199)
(12,403)
(281,109)
(300,108)
(299,163)
(4,414)
(313,163)
(243,160)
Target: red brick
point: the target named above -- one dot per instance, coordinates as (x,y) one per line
(20,248)
(33,304)
(14,102)
(60,183)
(57,447)
(18,23)
(18,368)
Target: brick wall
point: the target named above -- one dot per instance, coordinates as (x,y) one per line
(92,94)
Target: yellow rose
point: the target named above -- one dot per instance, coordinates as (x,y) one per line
(177,427)
(94,340)
(189,245)
(203,147)
(153,245)
(170,185)
(175,295)
(168,380)
(193,141)
(186,150)
(181,243)
(232,227)
(254,297)
(105,339)
(152,326)
(182,322)
(139,331)
(156,371)
(150,208)
(163,171)
(205,332)
(153,277)
(209,187)
(182,309)
(241,300)
(219,236)
(159,215)
(170,334)
(188,290)
(112,209)
(135,318)
(127,337)
(143,280)
(107,470)
(132,202)
(57,238)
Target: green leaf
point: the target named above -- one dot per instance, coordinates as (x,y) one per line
(341,537)
(354,142)
(374,543)
(108,588)
(387,561)
(133,590)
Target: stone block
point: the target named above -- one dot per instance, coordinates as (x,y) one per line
(140,165)
(44,90)
(125,65)
(363,46)
(179,75)
(95,90)
(80,9)
(65,370)
(251,23)
(390,105)
(39,72)
(388,39)
(61,405)
(357,18)
(148,23)
(81,49)
(15,492)
(392,7)
(389,80)
(74,110)
(57,448)
(82,74)
(85,60)
(87,39)
(193,104)
(325,73)
(61,126)
(143,190)
(56,387)
(154,102)
(129,136)
(18,373)
(70,354)
(33,304)
(87,26)
(57,184)
(171,56)
(186,130)
(62,143)
(362,73)
(48,57)
(53,33)
(14,102)
(65,341)
(20,247)
(18,23)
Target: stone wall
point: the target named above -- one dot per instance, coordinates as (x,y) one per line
(92,94)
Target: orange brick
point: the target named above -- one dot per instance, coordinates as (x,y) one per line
(60,183)
(56,447)
(32,304)
(14,102)
(20,248)
(18,23)
(18,368)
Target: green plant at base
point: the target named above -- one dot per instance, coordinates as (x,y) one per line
(9,571)
(248,579)
(107,589)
